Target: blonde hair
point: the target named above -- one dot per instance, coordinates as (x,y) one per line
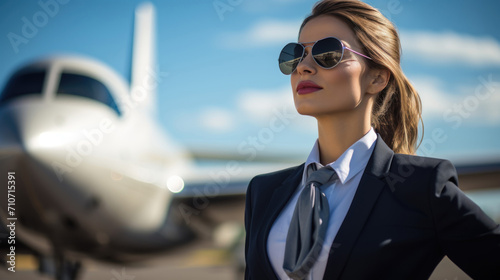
(397,109)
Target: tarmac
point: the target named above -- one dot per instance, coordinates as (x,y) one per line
(199,260)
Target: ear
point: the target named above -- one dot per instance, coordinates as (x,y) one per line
(378,78)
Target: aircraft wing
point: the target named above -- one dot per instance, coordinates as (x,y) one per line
(225,179)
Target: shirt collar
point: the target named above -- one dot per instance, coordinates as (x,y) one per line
(351,162)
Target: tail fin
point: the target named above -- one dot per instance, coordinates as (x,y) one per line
(144,79)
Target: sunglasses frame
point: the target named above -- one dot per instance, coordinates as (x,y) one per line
(312,47)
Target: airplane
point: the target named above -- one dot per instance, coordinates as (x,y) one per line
(90,172)
(94,176)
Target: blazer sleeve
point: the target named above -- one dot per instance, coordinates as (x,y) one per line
(467,235)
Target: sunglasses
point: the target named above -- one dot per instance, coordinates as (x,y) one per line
(327,53)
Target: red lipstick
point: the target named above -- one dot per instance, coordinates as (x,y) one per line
(306,87)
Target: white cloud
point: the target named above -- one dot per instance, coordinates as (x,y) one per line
(263,33)
(258,105)
(252,107)
(451,47)
(473,104)
(216,120)
(434,99)
(489,106)
(261,106)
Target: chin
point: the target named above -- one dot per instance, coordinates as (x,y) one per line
(304,110)
(308,111)
(312,108)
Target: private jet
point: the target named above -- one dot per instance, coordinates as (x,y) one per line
(90,172)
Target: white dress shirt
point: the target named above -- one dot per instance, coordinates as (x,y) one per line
(349,167)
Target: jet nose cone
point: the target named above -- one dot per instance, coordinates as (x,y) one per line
(22,130)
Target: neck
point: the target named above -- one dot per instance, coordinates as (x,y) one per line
(337,133)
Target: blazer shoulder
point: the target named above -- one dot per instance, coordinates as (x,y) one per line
(279,175)
(418,165)
(263,185)
(415,179)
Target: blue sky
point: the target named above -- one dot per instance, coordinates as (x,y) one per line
(223,88)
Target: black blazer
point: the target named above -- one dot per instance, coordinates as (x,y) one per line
(406,215)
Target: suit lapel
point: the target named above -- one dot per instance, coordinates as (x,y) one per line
(279,199)
(371,184)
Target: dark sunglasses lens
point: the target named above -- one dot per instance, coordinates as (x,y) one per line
(290,57)
(327,52)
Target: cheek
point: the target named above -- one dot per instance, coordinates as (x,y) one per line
(344,85)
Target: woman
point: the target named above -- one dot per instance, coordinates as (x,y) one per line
(362,206)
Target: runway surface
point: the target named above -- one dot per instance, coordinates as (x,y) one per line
(196,261)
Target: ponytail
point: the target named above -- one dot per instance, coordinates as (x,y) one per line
(396,114)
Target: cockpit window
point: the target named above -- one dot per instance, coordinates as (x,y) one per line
(23,84)
(84,86)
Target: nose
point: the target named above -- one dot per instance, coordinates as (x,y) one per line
(307,65)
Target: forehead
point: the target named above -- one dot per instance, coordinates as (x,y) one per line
(327,26)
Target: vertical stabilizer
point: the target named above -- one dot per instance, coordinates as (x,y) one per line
(144,74)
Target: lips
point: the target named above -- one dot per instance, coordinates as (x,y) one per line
(306,87)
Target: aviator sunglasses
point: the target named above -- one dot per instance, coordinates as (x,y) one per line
(327,53)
